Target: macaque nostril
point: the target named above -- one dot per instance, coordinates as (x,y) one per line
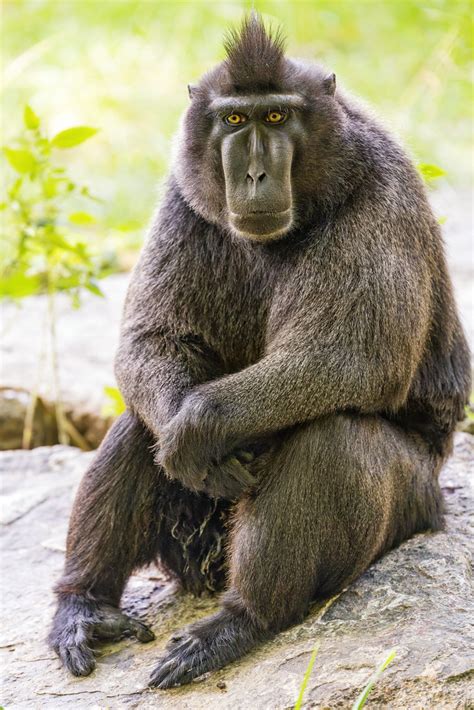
(258,178)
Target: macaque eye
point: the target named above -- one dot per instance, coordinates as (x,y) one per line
(234,119)
(275,117)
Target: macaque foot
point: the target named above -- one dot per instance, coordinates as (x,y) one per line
(205,646)
(80,622)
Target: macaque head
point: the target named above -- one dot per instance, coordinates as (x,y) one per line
(256,137)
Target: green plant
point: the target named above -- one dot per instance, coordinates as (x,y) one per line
(430,172)
(362,698)
(299,701)
(469,408)
(114,406)
(44,251)
(44,248)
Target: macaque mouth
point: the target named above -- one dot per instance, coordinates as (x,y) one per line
(268,212)
(261,223)
(251,213)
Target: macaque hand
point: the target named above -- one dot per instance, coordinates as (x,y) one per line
(193,448)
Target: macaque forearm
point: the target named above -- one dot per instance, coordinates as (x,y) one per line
(153,393)
(288,388)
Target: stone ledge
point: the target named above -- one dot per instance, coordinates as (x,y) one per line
(417,599)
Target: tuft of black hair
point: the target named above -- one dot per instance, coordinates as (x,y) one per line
(255,55)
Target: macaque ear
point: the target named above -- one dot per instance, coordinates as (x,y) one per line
(191,91)
(329,84)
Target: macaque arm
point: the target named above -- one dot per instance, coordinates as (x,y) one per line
(161,355)
(349,353)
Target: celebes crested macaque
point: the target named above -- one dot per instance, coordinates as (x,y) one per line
(292,364)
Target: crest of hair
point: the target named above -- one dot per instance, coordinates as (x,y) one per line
(255,55)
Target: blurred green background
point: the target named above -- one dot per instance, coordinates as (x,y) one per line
(123,66)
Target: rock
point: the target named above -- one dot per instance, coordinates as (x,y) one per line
(417,599)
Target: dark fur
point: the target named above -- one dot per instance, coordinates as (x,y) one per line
(317,379)
(255,59)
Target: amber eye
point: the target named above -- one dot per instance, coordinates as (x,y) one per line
(275,117)
(235,119)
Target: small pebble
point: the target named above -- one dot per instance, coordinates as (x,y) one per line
(221,685)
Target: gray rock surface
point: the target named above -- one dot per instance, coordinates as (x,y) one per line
(87,338)
(418,599)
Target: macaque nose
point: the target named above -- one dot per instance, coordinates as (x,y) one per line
(256,176)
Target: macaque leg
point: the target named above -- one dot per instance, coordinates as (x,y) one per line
(334,495)
(127,514)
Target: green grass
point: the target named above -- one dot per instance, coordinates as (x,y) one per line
(299,701)
(123,66)
(362,698)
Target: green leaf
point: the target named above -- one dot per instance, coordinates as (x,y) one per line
(115,404)
(59,242)
(30,118)
(93,288)
(73,136)
(82,218)
(19,284)
(50,187)
(362,699)
(129,226)
(21,160)
(299,702)
(67,283)
(430,172)
(14,189)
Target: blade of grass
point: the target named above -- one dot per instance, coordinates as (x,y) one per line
(361,700)
(299,702)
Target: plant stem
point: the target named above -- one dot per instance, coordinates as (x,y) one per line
(58,407)
(75,436)
(29,419)
(28,425)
